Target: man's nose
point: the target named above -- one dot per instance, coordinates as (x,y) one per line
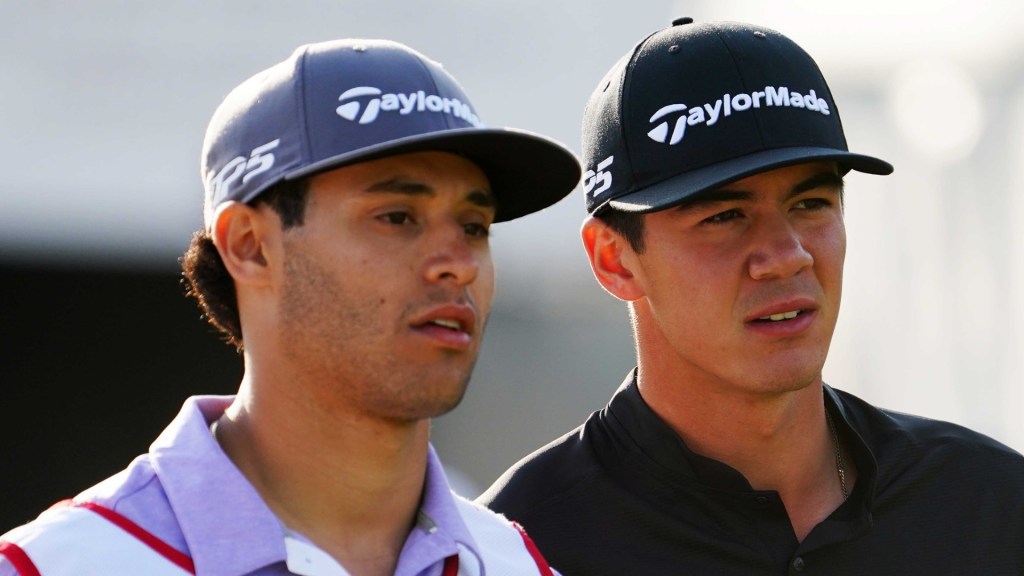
(778,250)
(452,257)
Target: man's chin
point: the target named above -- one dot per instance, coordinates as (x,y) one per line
(442,399)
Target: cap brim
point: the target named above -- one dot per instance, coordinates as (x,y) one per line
(527,172)
(674,190)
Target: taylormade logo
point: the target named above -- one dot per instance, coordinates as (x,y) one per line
(728,104)
(357,108)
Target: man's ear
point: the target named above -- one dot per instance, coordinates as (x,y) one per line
(612,259)
(241,234)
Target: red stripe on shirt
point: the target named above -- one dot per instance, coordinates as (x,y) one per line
(451,566)
(542,564)
(159,546)
(21,562)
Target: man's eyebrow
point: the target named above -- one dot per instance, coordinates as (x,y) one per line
(824,179)
(401,186)
(713,197)
(482,198)
(827,179)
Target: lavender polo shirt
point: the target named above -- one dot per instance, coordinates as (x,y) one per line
(188,493)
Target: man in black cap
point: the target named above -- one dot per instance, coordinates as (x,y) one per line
(349,194)
(715,159)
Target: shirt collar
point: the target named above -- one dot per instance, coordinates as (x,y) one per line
(231,531)
(862,498)
(228,527)
(640,440)
(440,531)
(633,426)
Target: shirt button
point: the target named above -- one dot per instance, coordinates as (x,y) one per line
(798,564)
(761,501)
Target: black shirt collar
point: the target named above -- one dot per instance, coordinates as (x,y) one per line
(636,427)
(631,435)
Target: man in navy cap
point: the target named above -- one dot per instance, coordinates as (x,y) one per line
(349,194)
(715,160)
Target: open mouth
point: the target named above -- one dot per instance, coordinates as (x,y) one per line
(780,316)
(447,323)
(449,330)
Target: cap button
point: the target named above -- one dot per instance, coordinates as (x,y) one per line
(683,20)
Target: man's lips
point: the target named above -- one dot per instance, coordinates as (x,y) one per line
(782,309)
(788,315)
(796,313)
(451,325)
(459,317)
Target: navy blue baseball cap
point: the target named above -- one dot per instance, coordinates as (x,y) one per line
(337,103)
(696,106)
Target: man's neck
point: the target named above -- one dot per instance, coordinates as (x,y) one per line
(350,484)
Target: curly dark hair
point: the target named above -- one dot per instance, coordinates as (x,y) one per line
(204,275)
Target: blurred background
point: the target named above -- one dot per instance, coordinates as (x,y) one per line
(103,106)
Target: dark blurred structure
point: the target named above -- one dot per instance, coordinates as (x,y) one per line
(94,363)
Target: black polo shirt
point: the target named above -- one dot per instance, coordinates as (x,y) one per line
(622,495)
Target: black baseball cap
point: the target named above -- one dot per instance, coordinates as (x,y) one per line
(337,103)
(696,106)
